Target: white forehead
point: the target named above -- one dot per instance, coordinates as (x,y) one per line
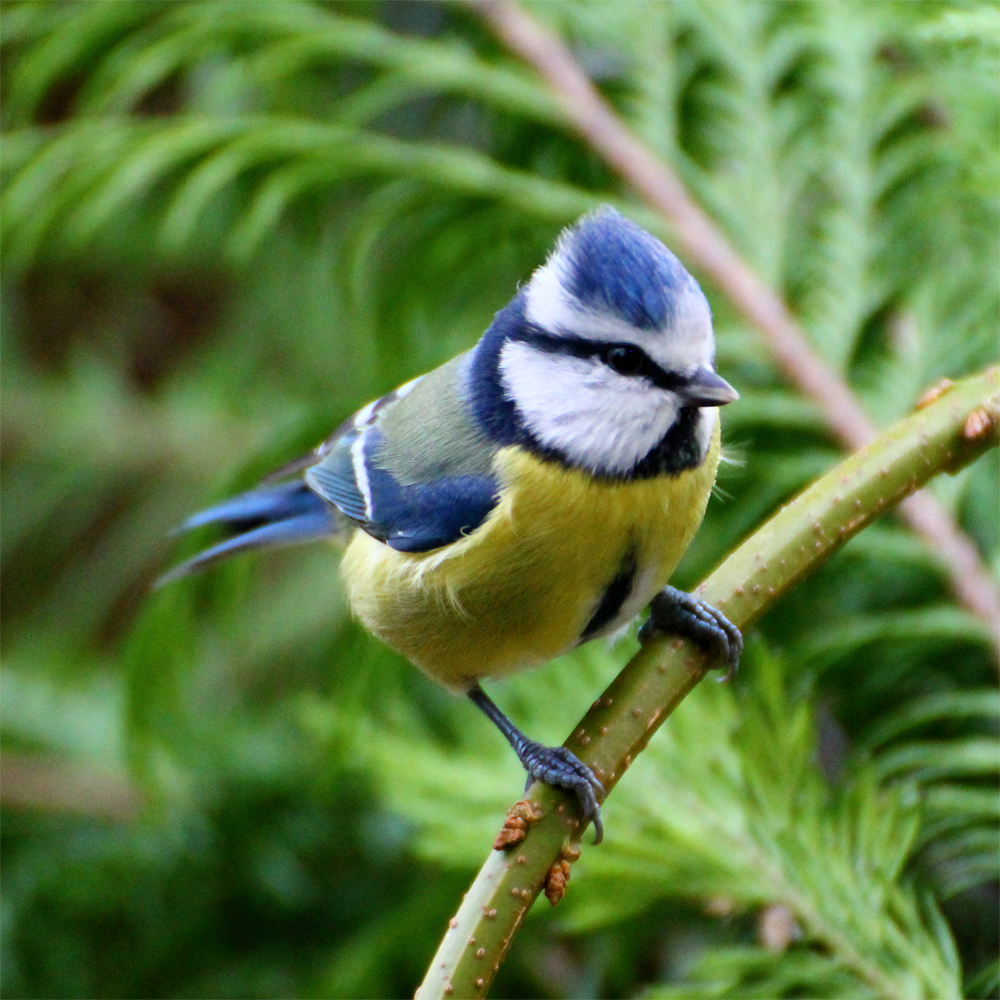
(634,268)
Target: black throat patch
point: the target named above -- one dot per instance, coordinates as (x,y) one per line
(677,451)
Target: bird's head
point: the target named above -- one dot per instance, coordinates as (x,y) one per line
(607,359)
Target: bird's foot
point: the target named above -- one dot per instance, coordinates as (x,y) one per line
(552,765)
(562,768)
(675,612)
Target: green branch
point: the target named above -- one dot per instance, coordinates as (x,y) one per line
(947,434)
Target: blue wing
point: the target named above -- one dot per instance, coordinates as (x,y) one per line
(411,517)
(346,478)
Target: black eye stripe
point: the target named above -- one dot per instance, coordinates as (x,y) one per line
(604,351)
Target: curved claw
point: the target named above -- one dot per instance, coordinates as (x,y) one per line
(674,611)
(562,768)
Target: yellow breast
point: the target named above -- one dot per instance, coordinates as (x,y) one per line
(521,588)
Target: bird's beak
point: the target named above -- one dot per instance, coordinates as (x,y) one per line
(707,389)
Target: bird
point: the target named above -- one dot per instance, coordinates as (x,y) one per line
(531,494)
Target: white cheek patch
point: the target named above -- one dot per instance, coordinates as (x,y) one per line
(579,407)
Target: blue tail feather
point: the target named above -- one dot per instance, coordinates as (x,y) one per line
(259,506)
(276,515)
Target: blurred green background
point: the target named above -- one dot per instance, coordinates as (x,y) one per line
(228,225)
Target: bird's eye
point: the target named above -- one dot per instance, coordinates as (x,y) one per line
(624,359)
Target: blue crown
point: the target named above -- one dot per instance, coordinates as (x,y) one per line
(618,268)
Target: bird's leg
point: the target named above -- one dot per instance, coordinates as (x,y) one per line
(553,765)
(678,613)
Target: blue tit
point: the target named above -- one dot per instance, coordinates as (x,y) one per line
(531,494)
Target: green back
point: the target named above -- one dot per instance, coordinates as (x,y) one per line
(430,433)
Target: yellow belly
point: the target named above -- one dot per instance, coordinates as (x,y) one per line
(521,588)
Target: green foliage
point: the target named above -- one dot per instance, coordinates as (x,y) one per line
(228,225)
